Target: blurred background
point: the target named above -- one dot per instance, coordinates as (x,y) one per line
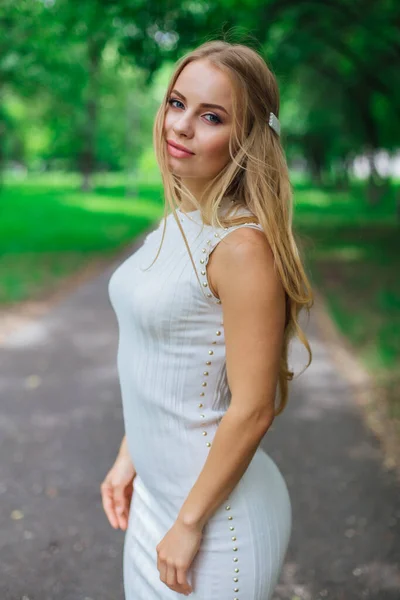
(79,88)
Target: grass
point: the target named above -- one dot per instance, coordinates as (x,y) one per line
(49,228)
(352,252)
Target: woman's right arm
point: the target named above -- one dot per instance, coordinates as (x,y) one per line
(117,488)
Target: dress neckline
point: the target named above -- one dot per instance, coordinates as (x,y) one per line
(196,215)
(188,212)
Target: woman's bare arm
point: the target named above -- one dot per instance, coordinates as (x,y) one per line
(253,303)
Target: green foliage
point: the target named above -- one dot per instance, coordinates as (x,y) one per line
(87,77)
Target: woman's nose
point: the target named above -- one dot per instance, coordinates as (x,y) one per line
(183,125)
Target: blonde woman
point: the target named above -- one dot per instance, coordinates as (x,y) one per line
(206,309)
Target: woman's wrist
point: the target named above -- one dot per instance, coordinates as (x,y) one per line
(123,450)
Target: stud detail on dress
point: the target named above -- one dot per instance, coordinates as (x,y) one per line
(204,384)
(234,548)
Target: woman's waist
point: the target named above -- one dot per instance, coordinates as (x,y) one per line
(170,465)
(169,414)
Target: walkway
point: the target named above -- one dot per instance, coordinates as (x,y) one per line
(61,425)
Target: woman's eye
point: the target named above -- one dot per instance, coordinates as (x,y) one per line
(211,115)
(218,120)
(173,100)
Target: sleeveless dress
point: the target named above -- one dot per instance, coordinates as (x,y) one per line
(174,389)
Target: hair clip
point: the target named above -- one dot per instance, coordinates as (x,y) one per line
(274,123)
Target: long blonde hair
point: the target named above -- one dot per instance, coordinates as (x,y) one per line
(256,177)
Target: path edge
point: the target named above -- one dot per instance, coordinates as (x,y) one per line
(372,404)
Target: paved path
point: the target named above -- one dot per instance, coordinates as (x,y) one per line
(60,429)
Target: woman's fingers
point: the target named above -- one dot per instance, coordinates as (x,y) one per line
(119,505)
(170,577)
(123,518)
(107,497)
(116,494)
(116,503)
(122,500)
(182,580)
(174,577)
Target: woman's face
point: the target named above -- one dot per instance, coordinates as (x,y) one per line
(204,130)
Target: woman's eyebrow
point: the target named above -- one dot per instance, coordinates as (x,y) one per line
(205,104)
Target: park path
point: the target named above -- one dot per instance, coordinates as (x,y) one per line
(61,425)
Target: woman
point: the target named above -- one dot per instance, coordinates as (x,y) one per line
(203,345)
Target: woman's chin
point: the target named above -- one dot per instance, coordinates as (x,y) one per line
(177,169)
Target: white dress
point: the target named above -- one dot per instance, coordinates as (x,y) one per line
(172,370)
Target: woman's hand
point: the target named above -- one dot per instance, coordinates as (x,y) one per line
(117,489)
(175,554)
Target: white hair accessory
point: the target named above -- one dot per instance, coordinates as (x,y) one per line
(274,123)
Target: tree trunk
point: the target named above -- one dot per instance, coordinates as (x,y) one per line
(87,157)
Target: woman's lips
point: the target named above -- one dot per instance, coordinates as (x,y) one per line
(178,153)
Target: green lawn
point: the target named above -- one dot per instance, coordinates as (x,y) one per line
(49,228)
(353,257)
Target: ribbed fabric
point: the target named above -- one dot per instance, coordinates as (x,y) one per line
(172,370)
